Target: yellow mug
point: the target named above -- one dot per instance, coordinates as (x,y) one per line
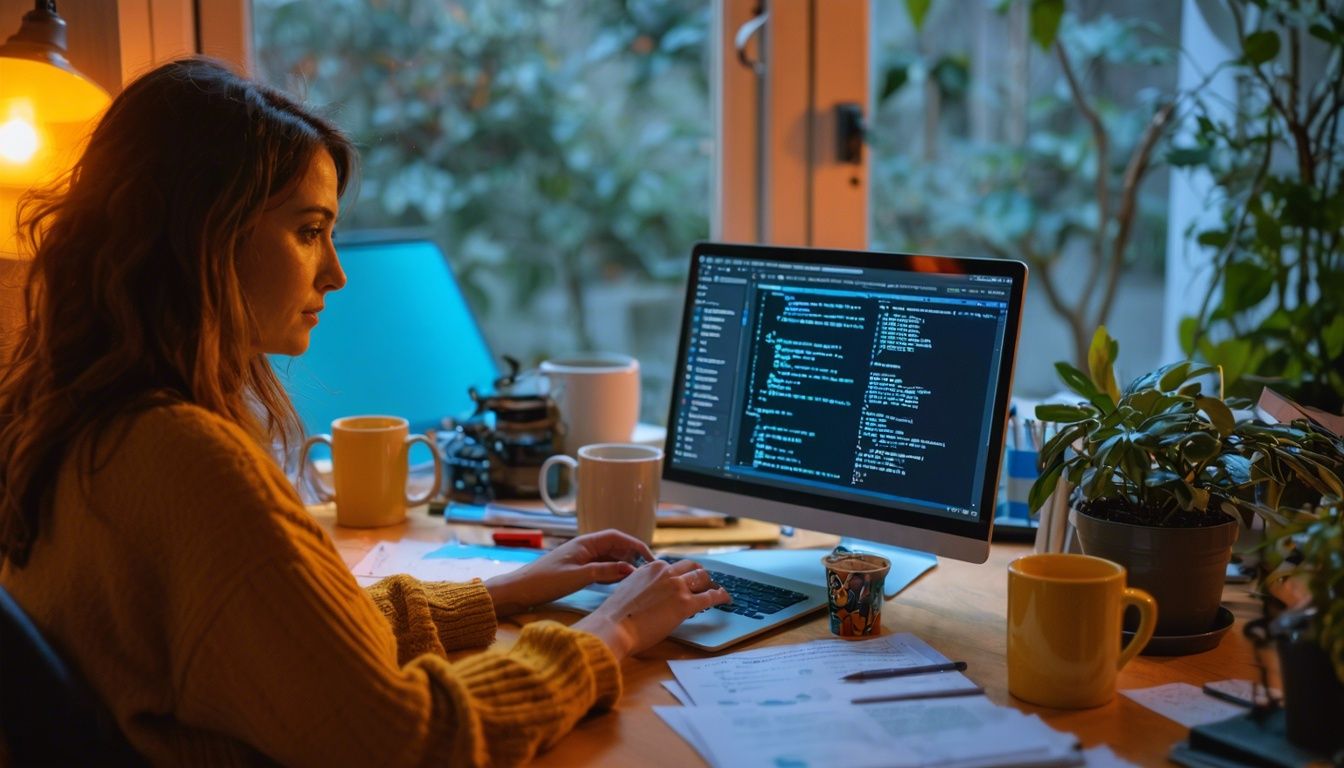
(1064,617)
(369,462)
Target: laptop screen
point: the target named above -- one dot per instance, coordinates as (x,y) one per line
(398,339)
(868,384)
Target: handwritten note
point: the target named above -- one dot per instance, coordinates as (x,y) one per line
(1185,704)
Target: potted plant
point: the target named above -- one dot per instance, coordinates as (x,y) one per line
(1162,471)
(1305,563)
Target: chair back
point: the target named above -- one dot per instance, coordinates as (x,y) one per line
(47,715)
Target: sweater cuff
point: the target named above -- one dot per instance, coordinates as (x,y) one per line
(606,670)
(463,613)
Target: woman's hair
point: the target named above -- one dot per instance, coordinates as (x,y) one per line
(133,296)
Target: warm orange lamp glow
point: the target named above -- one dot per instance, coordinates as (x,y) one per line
(45,103)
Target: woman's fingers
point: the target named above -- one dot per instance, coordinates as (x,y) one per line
(618,545)
(608,572)
(683,566)
(711,597)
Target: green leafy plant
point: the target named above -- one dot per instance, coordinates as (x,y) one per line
(1312,546)
(1162,451)
(1274,311)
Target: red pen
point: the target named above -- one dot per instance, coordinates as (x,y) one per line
(518,537)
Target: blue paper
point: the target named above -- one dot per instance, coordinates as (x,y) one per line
(503,554)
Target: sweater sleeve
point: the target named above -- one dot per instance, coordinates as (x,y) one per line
(273,645)
(433,617)
(296,667)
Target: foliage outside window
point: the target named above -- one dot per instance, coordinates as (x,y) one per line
(1034,145)
(559,152)
(1274,313)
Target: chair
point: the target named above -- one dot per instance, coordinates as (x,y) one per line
(47,715)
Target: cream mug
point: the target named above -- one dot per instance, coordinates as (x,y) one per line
(1064,616)
(369,462)
(617,488)
(597,396)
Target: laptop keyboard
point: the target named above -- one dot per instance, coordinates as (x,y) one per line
(753,599)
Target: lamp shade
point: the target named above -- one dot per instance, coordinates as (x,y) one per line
(45,103)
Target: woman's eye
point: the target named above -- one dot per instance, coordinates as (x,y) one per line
(311,235)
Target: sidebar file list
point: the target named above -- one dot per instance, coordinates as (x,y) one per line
(705,410)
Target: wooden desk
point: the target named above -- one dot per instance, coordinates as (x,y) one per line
(957,608)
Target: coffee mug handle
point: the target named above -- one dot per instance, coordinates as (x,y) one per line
(570,507)
(1147,623)
(324,494)
(438,468)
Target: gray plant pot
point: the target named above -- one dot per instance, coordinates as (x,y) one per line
(1182,568)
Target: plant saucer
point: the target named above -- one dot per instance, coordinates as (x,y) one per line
(1184,645)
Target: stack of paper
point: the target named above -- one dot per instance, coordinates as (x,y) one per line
(788,705)
(436,561)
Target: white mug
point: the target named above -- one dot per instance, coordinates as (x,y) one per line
(617,488)
(597,396)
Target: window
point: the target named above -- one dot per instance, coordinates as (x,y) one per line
(560,153)
(981,148)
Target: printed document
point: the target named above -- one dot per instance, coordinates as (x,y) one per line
(960,733)
(809,673)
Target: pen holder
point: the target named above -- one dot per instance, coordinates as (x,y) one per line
(1019,469)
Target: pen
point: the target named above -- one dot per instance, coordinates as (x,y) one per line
(977,691)
(878,674)
(1227,696)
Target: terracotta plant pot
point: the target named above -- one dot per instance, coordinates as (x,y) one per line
(1182,568)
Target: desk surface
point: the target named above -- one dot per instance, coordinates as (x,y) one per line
(958,608)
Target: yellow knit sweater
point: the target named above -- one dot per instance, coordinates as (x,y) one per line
(189,586)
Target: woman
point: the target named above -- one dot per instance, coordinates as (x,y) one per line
(145,526)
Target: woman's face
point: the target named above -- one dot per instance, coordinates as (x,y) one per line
(289,264)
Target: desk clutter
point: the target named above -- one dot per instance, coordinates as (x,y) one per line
(790,705)
(676,525)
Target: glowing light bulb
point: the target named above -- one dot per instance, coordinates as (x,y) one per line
(18,140)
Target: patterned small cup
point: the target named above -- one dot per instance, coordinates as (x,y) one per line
(854,592)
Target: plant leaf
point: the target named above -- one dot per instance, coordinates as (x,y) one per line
(1076,380)
(1045,18)
(1258,47)
(1200,446)
(1173,376)
(1100,362)
(1062,414)
(1219,414)
(1043,487)
(918,10)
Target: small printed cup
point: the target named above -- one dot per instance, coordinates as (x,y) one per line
(854,592)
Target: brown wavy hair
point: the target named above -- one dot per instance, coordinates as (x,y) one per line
(133,296)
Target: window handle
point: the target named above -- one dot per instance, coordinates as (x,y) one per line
(743,36)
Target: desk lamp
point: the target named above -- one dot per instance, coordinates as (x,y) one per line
(45,106)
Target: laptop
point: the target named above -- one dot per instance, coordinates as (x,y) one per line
(761,602)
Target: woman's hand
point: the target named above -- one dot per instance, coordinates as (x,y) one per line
(602,557)
(650,603)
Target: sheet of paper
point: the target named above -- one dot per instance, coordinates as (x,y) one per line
(1103,757)
(948,732)
(428,561)
(679,693)
(1184,703)
(808,673)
